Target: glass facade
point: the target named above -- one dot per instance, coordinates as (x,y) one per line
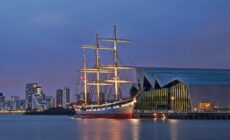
(172,97)
(208,89)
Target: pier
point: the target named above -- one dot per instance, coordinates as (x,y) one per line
(186,116)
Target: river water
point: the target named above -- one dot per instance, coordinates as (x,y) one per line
(19,127)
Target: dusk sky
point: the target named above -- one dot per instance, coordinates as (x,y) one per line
(40,39)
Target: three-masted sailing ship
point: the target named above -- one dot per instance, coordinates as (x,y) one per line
(119,108)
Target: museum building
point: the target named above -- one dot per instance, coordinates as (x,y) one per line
(183,89)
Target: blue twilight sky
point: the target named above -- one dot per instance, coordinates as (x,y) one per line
(40,39)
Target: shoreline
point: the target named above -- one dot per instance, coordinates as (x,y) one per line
(51,111)
(185,116)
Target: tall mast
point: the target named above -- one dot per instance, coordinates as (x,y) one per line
(115,62)
(106,69)
(116,80)
(85,79)
(98,69)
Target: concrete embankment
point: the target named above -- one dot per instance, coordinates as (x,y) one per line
(11,112)
(185,116)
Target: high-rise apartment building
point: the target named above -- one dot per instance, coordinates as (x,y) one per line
(50,101)
(63,97)
(35,99)
(30,90)
(2,101)
(15,102)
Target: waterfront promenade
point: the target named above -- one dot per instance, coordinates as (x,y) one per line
(12,112)
(184,115)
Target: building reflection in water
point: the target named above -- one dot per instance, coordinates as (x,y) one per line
(147,129)
(104,129)
(173,129)
(135,129)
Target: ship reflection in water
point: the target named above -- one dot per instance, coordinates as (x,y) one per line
(145,129)
(21,127)
(102,129)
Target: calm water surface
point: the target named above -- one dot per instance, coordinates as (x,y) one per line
(18,127)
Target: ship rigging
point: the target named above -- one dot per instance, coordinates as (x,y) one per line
(119,108)
(105,69)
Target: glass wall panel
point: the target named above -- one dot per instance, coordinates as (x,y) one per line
(174,97)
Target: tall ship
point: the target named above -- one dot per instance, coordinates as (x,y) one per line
(118,108)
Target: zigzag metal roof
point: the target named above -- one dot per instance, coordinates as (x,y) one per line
(186,75)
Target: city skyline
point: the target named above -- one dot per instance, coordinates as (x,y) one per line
(40,40)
